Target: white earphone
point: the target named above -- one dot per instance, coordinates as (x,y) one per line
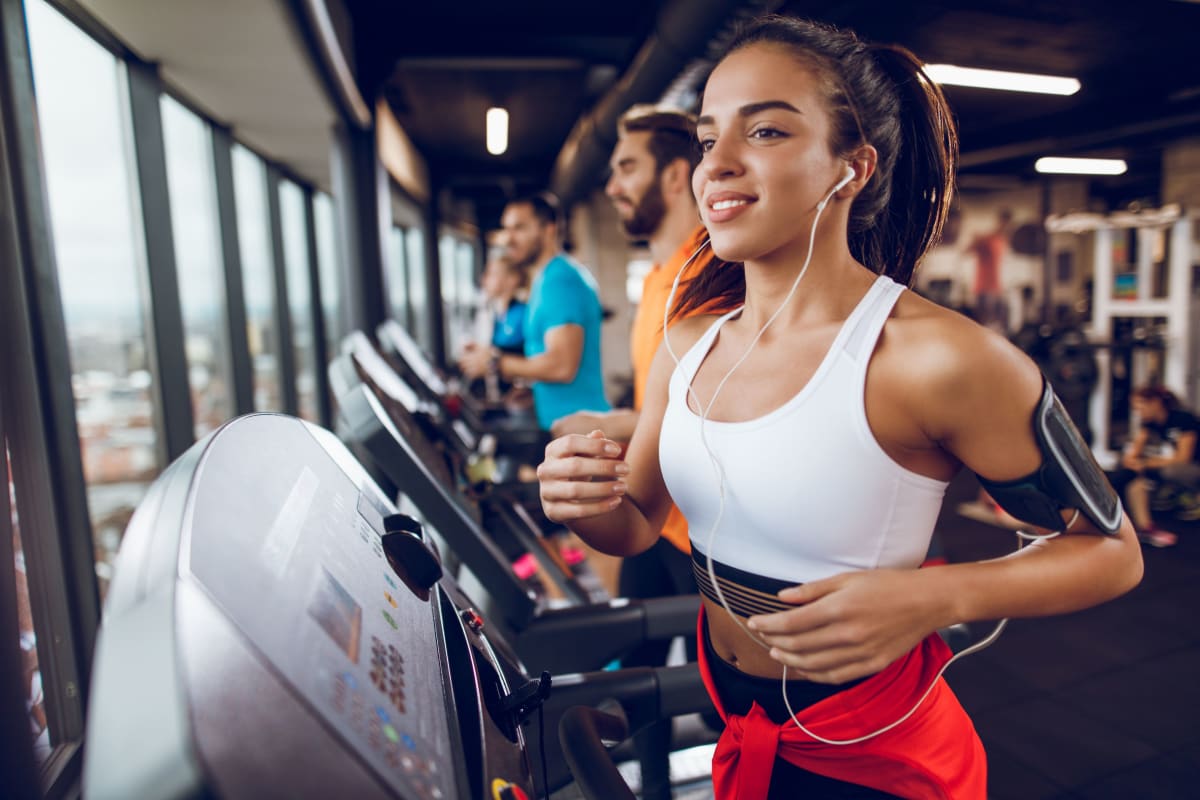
(849,175)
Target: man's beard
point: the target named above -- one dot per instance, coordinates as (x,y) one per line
(647,213)
(524,262)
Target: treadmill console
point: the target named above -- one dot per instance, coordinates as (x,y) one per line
(257,641)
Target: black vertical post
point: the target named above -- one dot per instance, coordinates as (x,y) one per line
(16,757)
(369,187)
(283,311)
(321,353)
(166,314)
(38,405)
(242,371)
(1048,265)
(435,319)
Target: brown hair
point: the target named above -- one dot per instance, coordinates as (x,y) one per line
(672,133)
(877,95)
(1160,393)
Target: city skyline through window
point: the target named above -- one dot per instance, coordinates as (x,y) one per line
(198,263)
(95,221)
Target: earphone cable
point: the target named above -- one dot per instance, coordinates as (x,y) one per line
(719,474)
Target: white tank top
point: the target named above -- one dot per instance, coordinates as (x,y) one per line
(809,492)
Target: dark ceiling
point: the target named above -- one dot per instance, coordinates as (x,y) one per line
(440,65)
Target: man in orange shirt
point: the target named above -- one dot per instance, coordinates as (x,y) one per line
(651,190)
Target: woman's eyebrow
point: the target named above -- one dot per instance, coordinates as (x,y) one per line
(751,109)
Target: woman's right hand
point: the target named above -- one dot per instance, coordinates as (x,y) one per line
(582,476)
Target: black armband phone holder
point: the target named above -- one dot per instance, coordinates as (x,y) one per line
(1069,476)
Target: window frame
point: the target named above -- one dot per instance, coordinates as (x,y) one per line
(315,299)
(231,252)
(38,406)
(161,270)
(283,310)
(39,414)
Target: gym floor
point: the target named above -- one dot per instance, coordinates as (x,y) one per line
(1098,704)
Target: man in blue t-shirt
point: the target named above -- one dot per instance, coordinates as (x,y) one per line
(562,319)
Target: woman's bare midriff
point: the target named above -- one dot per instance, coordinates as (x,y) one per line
(735,646)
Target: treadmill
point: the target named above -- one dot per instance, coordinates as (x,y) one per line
(275,629)
(516,436)
(390,440)
(510,511)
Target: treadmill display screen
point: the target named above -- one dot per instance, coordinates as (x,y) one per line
(336,612)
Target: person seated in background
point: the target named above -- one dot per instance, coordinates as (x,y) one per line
(562,325)
(1162,420)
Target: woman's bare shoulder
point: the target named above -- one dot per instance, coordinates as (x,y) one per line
(945,360)
(930,332)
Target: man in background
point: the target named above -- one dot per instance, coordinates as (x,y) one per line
(562,323)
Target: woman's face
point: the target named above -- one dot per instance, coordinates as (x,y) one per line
(499,282)
(764,132)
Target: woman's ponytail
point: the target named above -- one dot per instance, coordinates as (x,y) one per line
(911,219)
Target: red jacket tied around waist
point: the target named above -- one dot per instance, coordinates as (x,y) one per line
(935,753)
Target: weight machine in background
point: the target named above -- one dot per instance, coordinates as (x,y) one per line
(1143,311)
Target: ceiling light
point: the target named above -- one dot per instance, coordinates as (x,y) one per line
(997,79)
(497,130)
(1081,166)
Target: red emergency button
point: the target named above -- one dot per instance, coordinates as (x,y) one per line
(503,790)
(472,620)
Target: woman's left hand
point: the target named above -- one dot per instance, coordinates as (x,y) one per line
(851,625)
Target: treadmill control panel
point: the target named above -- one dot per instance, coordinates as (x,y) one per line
(275,628)
(327,611)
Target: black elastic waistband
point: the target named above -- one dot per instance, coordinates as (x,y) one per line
(745,593)
(738,690)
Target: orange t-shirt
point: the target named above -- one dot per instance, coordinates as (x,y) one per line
(646,336)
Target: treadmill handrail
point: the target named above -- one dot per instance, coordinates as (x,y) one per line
(514,516)
(581,733)
(412,355)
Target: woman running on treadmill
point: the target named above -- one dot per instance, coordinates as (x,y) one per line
(809,435)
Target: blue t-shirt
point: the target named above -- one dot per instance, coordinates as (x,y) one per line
(565,294)
(508,330)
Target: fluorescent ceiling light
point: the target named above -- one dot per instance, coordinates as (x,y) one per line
(497,130)
(1081,166)
(997,79)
